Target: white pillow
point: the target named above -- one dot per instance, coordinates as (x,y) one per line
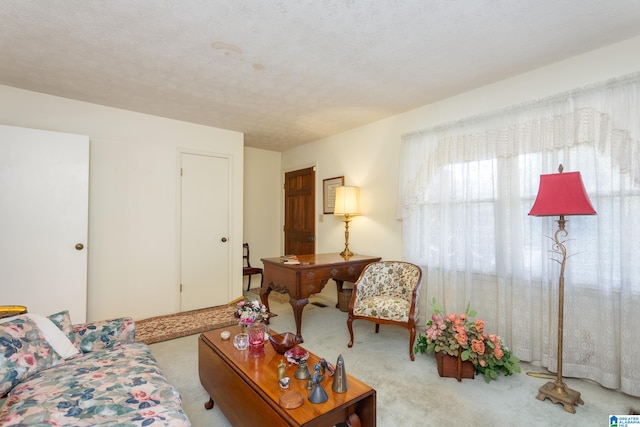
(54,336)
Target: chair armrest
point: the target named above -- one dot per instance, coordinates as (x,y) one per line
(105,334)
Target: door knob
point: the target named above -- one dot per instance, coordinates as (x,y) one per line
(224,239)
(79,246)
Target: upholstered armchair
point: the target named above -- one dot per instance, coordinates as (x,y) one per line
(386,293)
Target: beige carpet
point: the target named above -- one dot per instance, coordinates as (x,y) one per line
(163,328)
(409,394)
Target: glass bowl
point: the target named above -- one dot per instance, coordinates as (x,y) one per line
(281,343)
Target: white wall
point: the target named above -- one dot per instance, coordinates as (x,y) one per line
(132,253)
(133,234)
(369,156)
(262,205)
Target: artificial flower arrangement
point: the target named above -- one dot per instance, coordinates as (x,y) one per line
(455,334)
(250,311)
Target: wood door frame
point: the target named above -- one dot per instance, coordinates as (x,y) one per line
(313,165)
(232,239)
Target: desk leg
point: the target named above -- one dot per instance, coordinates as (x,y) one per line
(339,284)
(264,297)
(298,306)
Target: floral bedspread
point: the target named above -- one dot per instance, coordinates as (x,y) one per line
(118,386)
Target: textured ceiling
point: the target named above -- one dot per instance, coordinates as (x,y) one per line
(289,72)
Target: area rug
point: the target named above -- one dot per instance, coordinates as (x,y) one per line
(163,328)
(254,294)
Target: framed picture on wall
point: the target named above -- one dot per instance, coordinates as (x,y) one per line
(329,186)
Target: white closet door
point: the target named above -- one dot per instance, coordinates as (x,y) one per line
(44,205)
(205,240)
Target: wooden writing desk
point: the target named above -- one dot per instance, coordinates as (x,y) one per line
(246,389)
(309,277)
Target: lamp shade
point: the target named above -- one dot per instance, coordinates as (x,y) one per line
(562,194)
(347,201)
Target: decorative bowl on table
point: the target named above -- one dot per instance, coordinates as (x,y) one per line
(296,354)
(283,342)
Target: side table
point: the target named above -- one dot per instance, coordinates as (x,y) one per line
(11,310)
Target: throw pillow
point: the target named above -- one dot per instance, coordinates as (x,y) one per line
(63,321)
(23,352)
(54,336)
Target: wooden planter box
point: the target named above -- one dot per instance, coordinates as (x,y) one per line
(454,367)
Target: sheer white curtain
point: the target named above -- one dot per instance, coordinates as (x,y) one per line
(465,191)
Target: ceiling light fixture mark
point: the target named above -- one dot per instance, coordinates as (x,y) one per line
(226,46)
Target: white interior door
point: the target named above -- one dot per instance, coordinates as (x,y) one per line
(44,205)
(205,245)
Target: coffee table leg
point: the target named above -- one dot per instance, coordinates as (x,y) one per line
(209,404)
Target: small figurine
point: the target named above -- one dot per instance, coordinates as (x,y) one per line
(326,366)
(340,377)
(282,370)
(284,383)
(317,395)
(302,373)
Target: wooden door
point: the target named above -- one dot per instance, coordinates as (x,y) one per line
(44,214)
(204,246)
(299,208)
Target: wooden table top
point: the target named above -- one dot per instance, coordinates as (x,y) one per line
(262,372)
(312,260)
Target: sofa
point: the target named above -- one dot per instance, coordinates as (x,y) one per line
(53,373)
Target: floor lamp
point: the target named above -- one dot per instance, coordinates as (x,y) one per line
(347,204)
(561,194)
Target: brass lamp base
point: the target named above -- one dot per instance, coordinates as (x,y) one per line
(560,393)
(346,253)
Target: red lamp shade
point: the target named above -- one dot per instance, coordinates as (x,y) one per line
(562,194)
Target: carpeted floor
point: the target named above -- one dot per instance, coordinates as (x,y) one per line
(408,393)
(163,328)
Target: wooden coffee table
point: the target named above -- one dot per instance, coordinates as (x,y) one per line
(246,389)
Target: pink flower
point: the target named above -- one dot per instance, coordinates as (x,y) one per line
(433,332)
(43,351)
(148,414)
(24,359)
(462,338)
(498,353)
(14,331)
(477,346)
(142,393)
(479,324)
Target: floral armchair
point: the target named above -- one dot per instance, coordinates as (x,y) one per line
(387,292)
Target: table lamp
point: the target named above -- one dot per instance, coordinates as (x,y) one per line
(561,194)
(347,204)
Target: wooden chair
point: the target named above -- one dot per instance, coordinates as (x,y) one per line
(386,293)
(247,270)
